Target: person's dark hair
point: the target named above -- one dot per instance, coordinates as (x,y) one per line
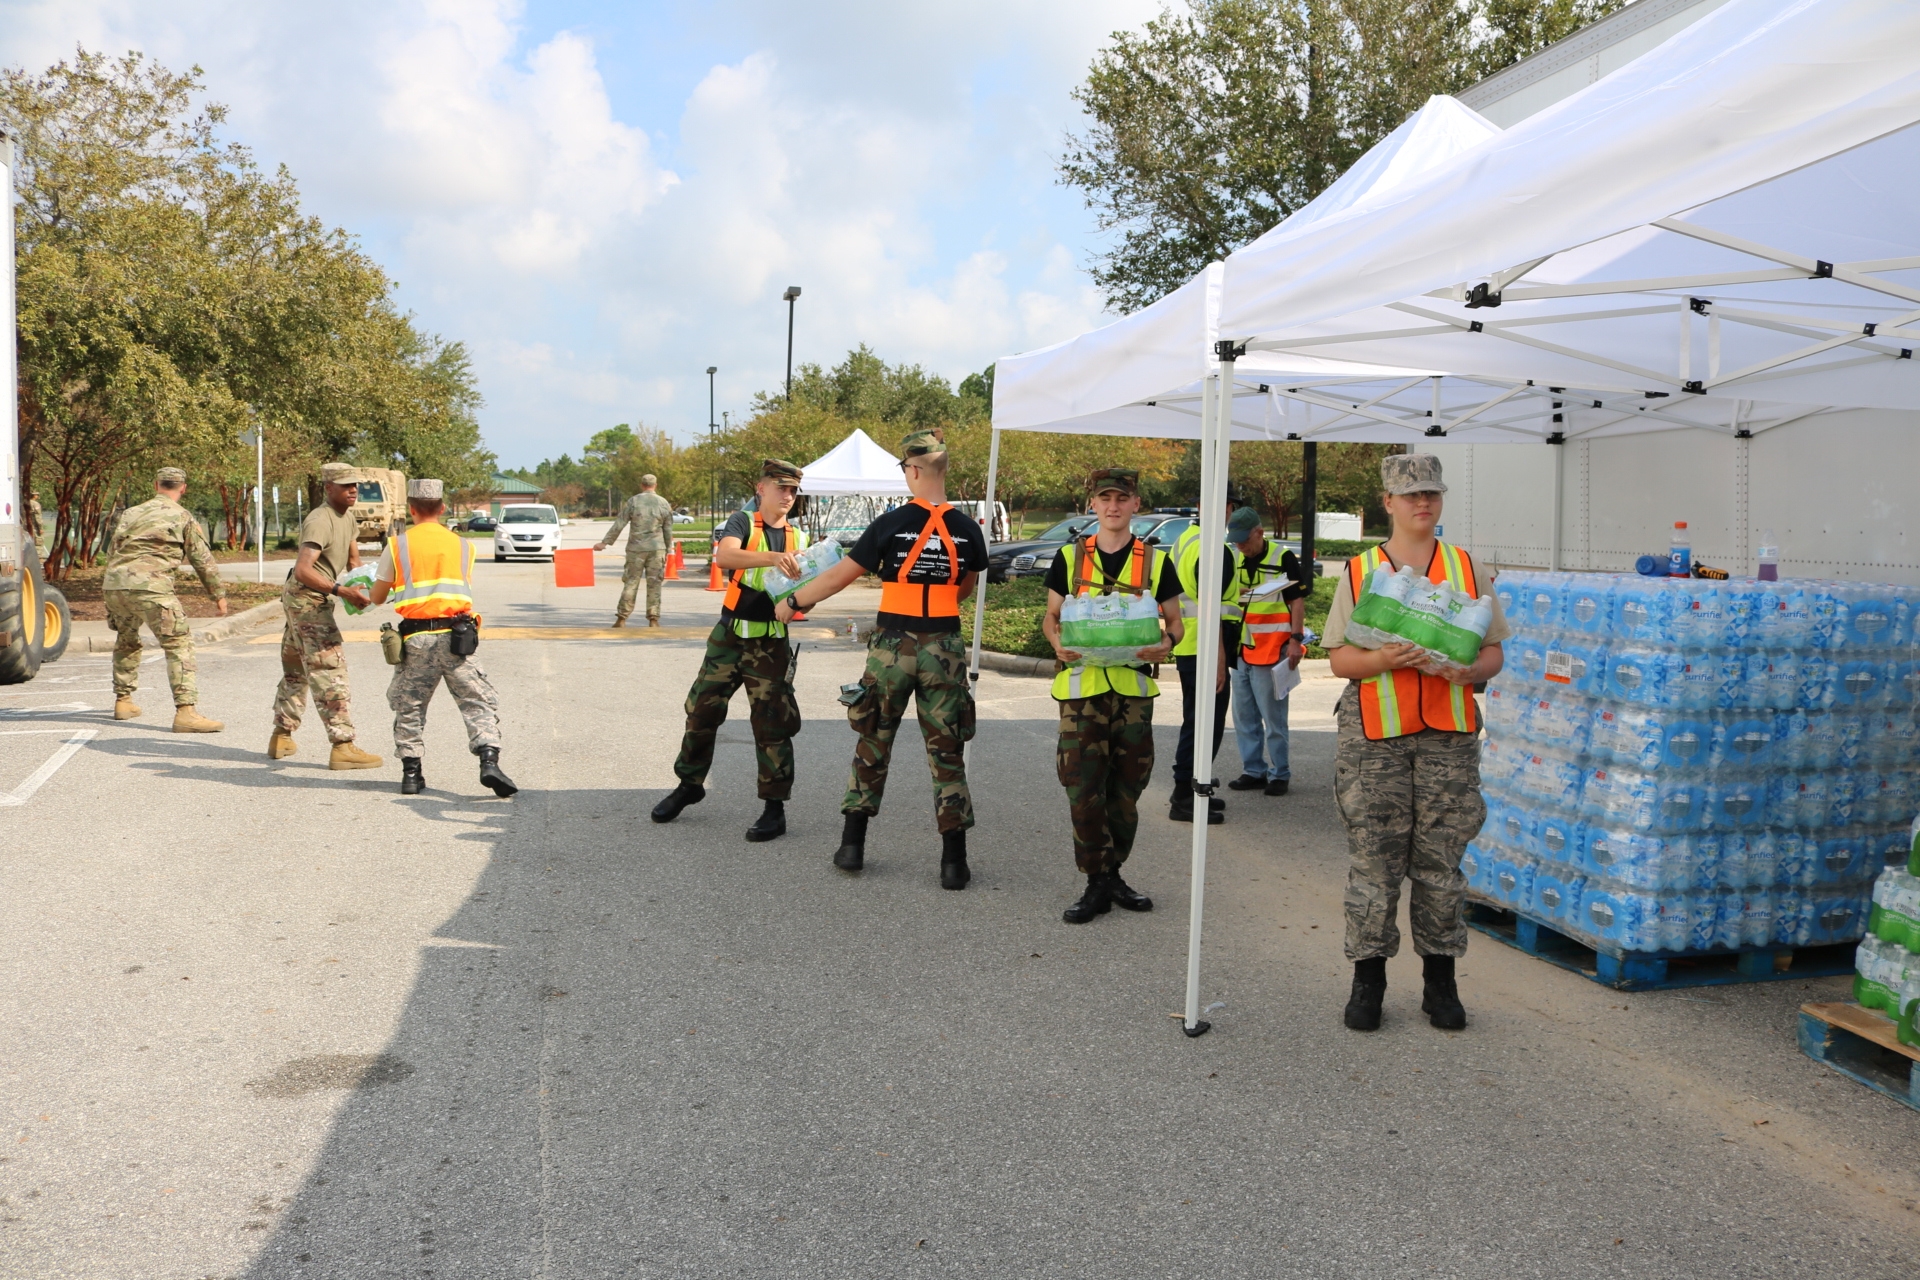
(172,486)
(422,506)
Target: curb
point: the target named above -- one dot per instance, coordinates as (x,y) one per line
(213,633)
(1016,665)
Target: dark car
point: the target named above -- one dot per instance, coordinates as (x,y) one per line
(480,524)
(1033,555)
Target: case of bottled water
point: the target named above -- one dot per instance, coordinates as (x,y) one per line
(1675,765)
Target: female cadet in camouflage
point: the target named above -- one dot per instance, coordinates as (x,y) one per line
(1406,764)
(1105,754)
(928,557)
(748,646)
(151,541)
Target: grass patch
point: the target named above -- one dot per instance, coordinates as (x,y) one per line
(87,599)
(1014,610)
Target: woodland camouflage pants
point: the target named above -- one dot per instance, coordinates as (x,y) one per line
(930,668)
(1105,759)
(761,665)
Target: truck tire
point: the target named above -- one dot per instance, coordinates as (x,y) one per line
(56,625)
(22,619)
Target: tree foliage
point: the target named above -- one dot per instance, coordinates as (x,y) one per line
(171,295)
(1211,124)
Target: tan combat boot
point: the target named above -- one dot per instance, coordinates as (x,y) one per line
(347,756)
(620,620)
(189,720)
(280,746)
(123,709)
(653,620)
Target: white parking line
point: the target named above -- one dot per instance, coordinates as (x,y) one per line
(38,778)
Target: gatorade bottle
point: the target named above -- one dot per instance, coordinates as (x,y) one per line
(1680,558)
(1769,558)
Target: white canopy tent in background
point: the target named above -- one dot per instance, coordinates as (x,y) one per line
(1756,91)
(856,467)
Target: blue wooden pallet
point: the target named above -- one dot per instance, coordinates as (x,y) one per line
(1653,970)
(1861,1045)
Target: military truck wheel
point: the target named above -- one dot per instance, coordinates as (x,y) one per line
(56,625)
(22,619)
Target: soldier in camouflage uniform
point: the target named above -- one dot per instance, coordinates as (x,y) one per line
(312,655)
(748,648)
(1105,754)
(650,518)
(150,542)
(1407,761)
(928,557)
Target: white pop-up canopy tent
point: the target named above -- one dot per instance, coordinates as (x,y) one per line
(856,467)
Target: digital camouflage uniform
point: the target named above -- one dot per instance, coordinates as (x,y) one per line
(431,659)
(151,541)
(1104,759)
(1410,804)
(761,664)
(930,668)
(312,655)
(648,517)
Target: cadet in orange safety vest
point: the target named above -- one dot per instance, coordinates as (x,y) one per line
(426,573)
(1407,761)
(928,557)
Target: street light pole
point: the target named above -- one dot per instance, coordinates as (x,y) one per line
(792,293)
(713,507)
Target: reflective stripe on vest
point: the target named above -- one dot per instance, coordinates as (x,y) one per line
(432,566)
(926,599)
(755,580)
(1083,568)
(1269,619)
(1186,563)
(1396,703)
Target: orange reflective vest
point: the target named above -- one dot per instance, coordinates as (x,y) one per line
(1269,619)
(433,573)
(1396,703)
(926,599)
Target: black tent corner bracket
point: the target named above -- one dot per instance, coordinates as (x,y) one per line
(1482,295)
(1226,349)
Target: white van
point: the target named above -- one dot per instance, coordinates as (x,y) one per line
(526,529)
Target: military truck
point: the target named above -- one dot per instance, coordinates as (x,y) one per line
(381,510)
(33,615)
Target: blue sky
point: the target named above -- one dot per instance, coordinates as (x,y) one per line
(601,200)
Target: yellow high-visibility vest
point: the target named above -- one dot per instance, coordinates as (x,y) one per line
(1085,576)
(1186,563)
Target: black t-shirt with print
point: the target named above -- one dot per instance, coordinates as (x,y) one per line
(888,541)
(754,606)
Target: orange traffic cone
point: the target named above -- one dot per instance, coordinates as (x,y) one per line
(714,581)
(673,562)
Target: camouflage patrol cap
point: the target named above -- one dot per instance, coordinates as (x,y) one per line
(784,472)
(1403,473)
(426,490)
(1242,523)
(1114,479)
(919,443)
(171,477)
(337,473)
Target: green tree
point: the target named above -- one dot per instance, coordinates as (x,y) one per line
(1210,125)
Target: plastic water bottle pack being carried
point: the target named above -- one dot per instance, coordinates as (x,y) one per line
(1109,630)
(1403,607)
(1689,765)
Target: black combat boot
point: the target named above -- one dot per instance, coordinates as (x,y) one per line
(677,799)
(412,781)
(1180,808)
(1125,896)
(770,825)
(1441,1000)
(1369,989)
(490,775)
(852,853)
(954,873)
(1096,901)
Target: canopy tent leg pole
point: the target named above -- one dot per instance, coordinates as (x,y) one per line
(1309,502)
(1214,457)
(980,589)
(1558,444)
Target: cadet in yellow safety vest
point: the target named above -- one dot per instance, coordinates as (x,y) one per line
(426,573)
(1269,636)
(1407,761)
(1105,752)
(748,647)
(1186,563)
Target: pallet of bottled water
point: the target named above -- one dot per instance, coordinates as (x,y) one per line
(1684,766)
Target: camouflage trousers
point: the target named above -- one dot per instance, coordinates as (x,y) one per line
(650,565)
(1410,805)
(931,669)
(1105,760)
(126,611)
(311,655)
(761,665)
(431,660)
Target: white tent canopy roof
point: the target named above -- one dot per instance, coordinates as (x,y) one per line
(1141,374)
(855,467)
(1725,216)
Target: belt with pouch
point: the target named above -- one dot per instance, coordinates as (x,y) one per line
(414,626)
